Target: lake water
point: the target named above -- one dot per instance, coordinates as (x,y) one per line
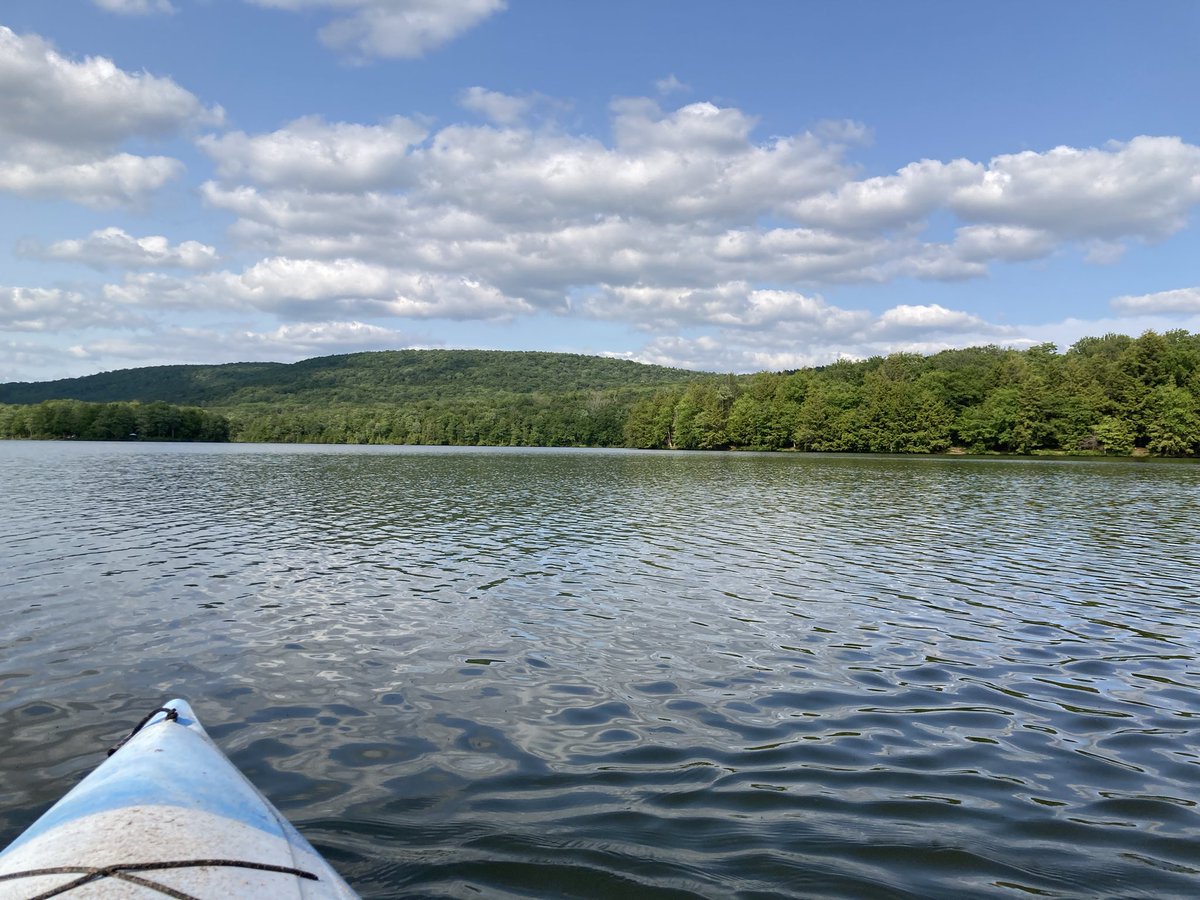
(516,673)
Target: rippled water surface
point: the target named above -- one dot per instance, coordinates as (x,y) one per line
(502,673)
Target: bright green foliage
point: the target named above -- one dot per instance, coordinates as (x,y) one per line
(568,420)
(1112,394)
(766,411)
(828,418)
(74,419)
(702,415)
(650,423)
(1172,421)
(900,412)
(1114,435)
(393,377)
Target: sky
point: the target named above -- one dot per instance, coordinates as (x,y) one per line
(729,187)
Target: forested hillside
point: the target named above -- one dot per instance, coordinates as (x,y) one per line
(1113,394)
(358,379)
(402,396)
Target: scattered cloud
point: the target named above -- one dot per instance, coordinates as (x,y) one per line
(931,319)
(114,247)
(1009,243)
(140,351)
(314,290)
(52,100)
(734,304)
(682,223)
(395,29)
(324,335)
(1103,253)
(890,201)
(63,121)
(287,343)
(670,85)
(25,359)
(1024,205)
(312,154)
(825,335)
(641,125)
(135,7)
(118,180)
(686,220)
(1141,188)
(502,109)
(300,340)
(1183,300)
(843,131)
(53,309)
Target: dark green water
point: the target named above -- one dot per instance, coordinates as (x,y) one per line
(495,673)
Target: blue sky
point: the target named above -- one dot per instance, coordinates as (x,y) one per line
(720,186)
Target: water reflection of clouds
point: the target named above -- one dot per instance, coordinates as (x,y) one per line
(455,648)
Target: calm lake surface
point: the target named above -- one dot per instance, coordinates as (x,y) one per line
(516,673)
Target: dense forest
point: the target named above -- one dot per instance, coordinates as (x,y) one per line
(1113,394)
(75,419)
(386,378)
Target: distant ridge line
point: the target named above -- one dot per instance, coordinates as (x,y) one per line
(365,378)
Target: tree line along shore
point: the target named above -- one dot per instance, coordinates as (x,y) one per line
(1114,395)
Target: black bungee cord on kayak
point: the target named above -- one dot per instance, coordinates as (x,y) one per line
(172,716)
(122,871)
(125,871)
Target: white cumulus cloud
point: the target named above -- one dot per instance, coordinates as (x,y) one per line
(304,339)
(641,125)
(165,346)
(1024,205)
(1182,300)
(52,309)
(1141,188)
(685,218)
(120,179)
(827,333)
(1011,243)
(311,153)
(47,98)
(402,29)
(63,121)
(317,290)
(889,201)
(733,304)
(115,247)
(928,319)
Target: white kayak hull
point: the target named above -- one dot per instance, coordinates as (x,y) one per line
(167,810)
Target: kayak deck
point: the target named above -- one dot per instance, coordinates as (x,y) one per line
(166,815)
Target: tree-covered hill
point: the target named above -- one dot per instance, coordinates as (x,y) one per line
(191,385)
(358,379)
(1113,394)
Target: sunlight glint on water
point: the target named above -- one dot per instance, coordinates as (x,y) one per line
(578,673)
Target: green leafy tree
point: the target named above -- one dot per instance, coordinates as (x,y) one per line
(1114,435)
(1173,421)
(762,417)
(827,419)
(1113,393)
(650,424)
(702,414)
(901,411)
